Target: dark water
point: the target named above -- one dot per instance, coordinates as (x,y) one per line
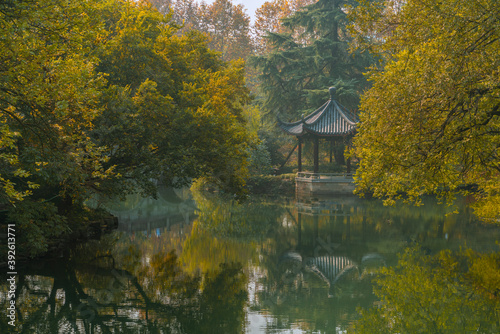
(188,263)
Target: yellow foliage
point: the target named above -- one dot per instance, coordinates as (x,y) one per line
(431,121)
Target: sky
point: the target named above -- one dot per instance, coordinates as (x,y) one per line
(250,5)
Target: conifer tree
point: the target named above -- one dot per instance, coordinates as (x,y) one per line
(309,58)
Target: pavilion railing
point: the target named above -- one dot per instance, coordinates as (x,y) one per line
(324,176)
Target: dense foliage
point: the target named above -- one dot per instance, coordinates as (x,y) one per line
(431,121)
(102,97)
(173,107)
(49,100)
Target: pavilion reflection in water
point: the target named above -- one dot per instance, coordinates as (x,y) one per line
(328,251)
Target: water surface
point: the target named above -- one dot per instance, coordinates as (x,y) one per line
(194,263)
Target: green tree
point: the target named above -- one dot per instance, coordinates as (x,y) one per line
(430,123)
(309,58)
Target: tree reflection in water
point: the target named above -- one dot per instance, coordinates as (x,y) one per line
(259,267)
(95,295)
(449,292)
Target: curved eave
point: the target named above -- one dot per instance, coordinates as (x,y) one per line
(329,134)
(295,128)
(347,115)
(318,113)
(333,121)
(330,120)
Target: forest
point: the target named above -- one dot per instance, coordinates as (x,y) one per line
(112,97)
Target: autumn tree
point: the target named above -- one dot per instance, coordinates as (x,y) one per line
(430,123)
(103,97)
(163,6)
(228,26)
(268,19)
(173,106)
(49,100)
(185,13)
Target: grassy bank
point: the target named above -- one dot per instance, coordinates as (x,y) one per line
(283,184)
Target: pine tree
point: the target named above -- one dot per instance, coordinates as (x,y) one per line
(309,58)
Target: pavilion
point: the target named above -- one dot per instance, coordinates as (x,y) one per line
(331,121)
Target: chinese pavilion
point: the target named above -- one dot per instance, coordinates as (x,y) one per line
(331,121)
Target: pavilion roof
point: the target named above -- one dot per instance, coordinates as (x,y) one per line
(331,119)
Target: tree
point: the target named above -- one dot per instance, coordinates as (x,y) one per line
(49,99)
(430,123)
(268,19)
(228,27)
(163,108)
(163,6)
(226,24)
(174,107)
(185,13)
(309,58)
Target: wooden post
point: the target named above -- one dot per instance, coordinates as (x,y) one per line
(316,155)
(331,150)
(315,231)
(299,155)
(299,228)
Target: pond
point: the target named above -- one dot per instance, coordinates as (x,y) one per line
(196,263)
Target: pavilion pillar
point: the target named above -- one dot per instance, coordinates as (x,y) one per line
(331,150)
(316,155)
(299,155)
(299,229)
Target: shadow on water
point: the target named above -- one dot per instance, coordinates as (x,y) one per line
(197,263)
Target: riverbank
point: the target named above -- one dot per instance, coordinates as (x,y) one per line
(283,184)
